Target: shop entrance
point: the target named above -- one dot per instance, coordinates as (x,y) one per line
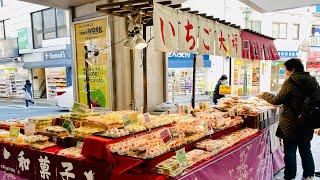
(39,83)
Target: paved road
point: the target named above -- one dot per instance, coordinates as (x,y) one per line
(19,111)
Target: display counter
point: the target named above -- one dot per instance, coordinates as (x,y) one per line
(211,144)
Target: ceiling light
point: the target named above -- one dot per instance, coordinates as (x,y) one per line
(140,42)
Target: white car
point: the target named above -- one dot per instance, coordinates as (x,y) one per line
(64,98)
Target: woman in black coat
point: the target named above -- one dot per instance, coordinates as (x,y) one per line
(292,129)
(216,95)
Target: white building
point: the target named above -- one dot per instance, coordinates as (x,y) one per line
(38,40)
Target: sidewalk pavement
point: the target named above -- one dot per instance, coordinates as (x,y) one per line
(41,102)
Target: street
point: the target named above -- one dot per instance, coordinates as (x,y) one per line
(13,110)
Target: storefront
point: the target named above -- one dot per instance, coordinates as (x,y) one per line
(180,75)
(12,73)
(51,72)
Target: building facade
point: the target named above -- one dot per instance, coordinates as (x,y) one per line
(35,44)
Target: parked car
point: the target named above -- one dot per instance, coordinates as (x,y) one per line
(64,98)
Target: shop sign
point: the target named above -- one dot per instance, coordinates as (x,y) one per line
(146,117)
(55,55)
(288,54)
(166,135)
(188,33)
(224,89)
(9,48)
(23,40)
(80,108)
(314,56)
(93,34)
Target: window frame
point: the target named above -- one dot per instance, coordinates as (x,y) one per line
(251,22)
(1,3)
(278,34)
(4,29)
(42,26)
(57,32)
(296,36)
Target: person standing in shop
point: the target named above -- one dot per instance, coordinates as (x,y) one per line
(292,128)
(216,94)
(28,93)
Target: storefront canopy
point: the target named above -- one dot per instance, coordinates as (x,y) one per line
(276,5)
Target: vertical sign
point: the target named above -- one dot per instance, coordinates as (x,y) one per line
(93,35)
(23,41)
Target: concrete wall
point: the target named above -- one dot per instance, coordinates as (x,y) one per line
(122,60)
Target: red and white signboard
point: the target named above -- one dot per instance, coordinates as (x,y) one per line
(165,28)
(206,36)
(188,33)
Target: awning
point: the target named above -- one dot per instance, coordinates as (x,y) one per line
(47,64)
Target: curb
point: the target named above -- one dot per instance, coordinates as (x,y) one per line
(44,102)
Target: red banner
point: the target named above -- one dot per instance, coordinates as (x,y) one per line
(257,47)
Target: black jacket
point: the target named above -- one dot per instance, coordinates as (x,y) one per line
(216,94)
(292,96)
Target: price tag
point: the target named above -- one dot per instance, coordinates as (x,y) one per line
(210,131)
(146,118)
(29,129)
(81,108)
(203,126)
(166,136)
(54,139)
(79,144)
(224,89)
(181,156)
(133,118)
(181,110)
(14,132)
(126,120)
(68,125)
(175,133)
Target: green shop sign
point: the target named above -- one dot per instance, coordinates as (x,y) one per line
(23,41)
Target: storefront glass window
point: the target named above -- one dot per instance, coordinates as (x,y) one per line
(37,29)
(61,23)
(49,24)
(2,31)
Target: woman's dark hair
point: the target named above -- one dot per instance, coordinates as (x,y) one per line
(27,81)
(223,77)
(294,65)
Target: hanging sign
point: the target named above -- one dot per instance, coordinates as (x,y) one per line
(224,89)
(165,28)
(206,36)
(188,32)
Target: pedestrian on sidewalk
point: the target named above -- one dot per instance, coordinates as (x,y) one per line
(292,128)
(28,93)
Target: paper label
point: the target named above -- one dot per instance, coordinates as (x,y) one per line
(81,108)
(126,121)
(29,129)
(68,125)
(166,136)
(79,144)
(181,156)
(14,132)
(146,118)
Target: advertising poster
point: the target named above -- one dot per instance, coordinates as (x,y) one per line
(93,35)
